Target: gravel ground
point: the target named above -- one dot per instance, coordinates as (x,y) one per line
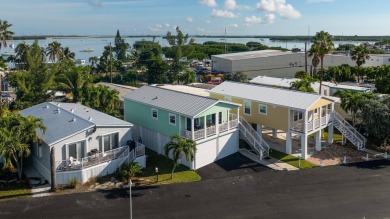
(334,154)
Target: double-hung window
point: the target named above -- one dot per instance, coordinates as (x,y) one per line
(263,109)
(154,113)
(298,115)
(247,107)
(172,119)
(110,141)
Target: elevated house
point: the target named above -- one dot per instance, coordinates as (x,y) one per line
(86,142)
(157,113)
(291,112)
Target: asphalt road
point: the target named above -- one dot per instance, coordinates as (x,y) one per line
(354,191)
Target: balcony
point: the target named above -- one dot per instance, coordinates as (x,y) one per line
(312,125)
(99,158)
(212,130)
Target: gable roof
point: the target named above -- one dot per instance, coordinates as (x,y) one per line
(186,104)
(276,96)
(62,123)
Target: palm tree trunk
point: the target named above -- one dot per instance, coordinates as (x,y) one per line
(173,170)
(17,166)
(321,74)
(52,170)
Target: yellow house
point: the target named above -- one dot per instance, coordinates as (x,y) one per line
(293,112)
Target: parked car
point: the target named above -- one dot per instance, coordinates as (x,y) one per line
(215,81)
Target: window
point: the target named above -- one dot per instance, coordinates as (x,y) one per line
(172,119)
(263,109)
(297,115)
(315,111)
(220,118)
(154,113)
(110,141)
(77,149)
(247,107)
(228,98)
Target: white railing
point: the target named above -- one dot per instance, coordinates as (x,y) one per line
(98,158)
(349,131)
(212,130)
(312,125)
(138,151)
(254,138)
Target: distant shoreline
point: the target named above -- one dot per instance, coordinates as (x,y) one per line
(271,37)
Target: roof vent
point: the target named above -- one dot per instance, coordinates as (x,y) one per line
(47,106)
(72,110)
(58,110)
(58,104)
(73,120)
(90,118)
(155,98)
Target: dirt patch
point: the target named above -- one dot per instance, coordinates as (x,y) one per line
(334,155)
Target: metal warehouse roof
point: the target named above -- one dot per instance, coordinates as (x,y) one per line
(62,123)
(252,54)
(279,82)
(183,103)
(276,96)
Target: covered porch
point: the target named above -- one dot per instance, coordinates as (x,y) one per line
(311,120)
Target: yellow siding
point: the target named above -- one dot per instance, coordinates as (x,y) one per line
(319,103)
(276,117)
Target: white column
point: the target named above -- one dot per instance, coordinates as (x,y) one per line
(228,119)
(216,123)
(330,127)
(205,127)
(274,133)
(288,143)
(192,129)
(304,121)
(320,117)
(303,146)
(312,120)
(260,132)
(317,137)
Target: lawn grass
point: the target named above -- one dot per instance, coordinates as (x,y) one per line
(336,136)
(164,164)
(292,160)
(14,190)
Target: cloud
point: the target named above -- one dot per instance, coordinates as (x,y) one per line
(230,4)
(223,14)
(200,29)
(319,1)
(95,3)
(208,21)
(166,24)
(268,19)
(208,3)
(189,19)
(280,7)
(233,25)
(159,26)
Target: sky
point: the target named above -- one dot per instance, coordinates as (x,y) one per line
(196,17)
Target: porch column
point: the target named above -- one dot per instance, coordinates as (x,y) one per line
(317,137)
(192,129)
(312,120)
(304,146)
(228,119)
(288,143)
(205,127)
(330,127)
(274,133)
(260,132)
(216,123)
(320,119)
(304,121)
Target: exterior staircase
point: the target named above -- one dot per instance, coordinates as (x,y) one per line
(349,132)
(259,147)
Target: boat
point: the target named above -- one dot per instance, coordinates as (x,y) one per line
(87,50)
(6,55)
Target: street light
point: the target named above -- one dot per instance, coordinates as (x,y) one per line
(131,210)
(156,173)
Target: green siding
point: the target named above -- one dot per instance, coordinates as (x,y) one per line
(219,107)
(141,115)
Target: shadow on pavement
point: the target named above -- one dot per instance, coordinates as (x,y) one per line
(374,165)
(136,191)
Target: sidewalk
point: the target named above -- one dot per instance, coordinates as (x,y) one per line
(271,163)
(38,186)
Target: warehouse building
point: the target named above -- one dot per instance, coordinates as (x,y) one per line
(273,63)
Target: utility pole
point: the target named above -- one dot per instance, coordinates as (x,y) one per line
(306,57)
(110,63)
(225,42)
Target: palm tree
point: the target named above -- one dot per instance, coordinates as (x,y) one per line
(21,51)
(93,63)
(73,81)
(180,146)
(187,77)
(353,101)
(5,34)
(323,44)
(359,54)
(54,51)
(304,84)
(16,135)
(67,54)
(315,60)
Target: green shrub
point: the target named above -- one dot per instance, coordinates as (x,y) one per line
(73,182)
(129,170)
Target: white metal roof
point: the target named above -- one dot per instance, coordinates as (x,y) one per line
(279,82)
(175,101)
(346,87)
(187,89)
(252,54)
(268,95)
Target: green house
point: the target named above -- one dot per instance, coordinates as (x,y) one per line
(157,113)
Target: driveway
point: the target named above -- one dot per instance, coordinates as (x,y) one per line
(231,166)
(360,190)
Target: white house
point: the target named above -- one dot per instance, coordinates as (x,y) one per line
(86,142)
